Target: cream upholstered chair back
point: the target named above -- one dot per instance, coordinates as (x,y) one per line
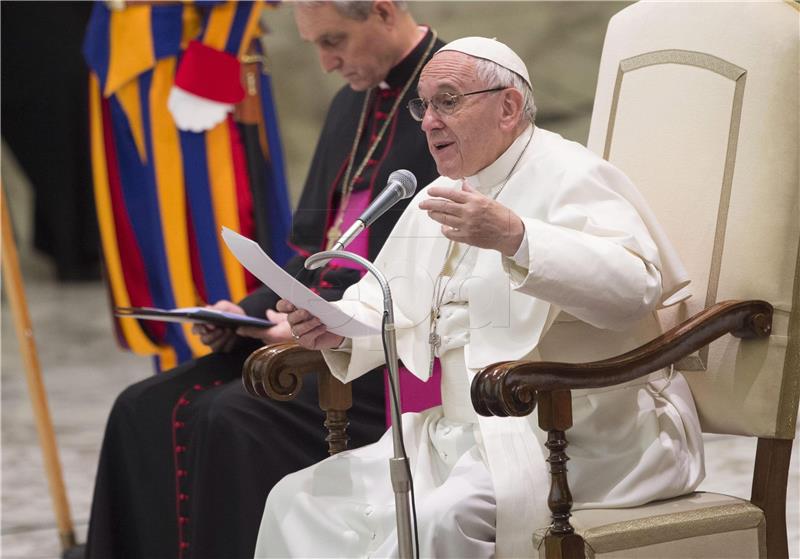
(699,103)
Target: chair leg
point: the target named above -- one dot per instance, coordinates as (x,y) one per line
(569,546)
(562,542)
(337,439)
(560,498)
(335,398)
(769,491)
(555,417)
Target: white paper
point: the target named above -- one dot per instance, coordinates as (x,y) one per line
(250,255)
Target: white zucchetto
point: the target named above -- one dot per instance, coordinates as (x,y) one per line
(490,49)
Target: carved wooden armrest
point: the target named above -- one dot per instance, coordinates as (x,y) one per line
(276,371)
(514,388)
(510,388)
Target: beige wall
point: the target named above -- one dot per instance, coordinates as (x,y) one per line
(560,41)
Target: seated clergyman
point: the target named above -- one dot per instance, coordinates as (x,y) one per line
(528,246)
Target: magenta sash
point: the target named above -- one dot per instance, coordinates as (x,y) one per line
(355,207)
(415,395)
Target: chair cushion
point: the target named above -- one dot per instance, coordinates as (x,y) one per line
(696,525)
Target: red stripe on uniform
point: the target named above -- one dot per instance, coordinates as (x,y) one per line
(244,196)
(131,260)
(194,259)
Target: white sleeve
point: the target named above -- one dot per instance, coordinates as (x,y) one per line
(356,356)
(592,278)
(521,257)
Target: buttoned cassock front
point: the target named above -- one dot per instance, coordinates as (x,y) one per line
(598,266)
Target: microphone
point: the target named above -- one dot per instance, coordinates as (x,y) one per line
(401,185)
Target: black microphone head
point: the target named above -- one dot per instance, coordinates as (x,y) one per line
(406,180)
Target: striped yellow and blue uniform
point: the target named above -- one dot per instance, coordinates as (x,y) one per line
(163,194)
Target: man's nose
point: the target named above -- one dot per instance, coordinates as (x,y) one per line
(329,62)
(431,120)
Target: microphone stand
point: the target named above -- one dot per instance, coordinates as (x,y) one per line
(398,466)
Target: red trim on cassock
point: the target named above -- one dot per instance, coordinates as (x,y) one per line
(330,216)
(299,250)
(178,450)
(386,150)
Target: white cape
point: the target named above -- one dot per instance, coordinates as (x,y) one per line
(599,265)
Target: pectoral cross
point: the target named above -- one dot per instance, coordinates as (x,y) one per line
(434,339)
(334,233)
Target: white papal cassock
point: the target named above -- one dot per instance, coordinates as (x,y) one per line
(595,266)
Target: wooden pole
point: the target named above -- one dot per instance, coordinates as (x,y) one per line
(12,281)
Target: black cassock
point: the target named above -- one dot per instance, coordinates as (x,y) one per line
(188,456)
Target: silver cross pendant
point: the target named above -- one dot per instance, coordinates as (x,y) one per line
(435,340)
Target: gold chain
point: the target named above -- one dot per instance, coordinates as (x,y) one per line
(439,290)
(335,231)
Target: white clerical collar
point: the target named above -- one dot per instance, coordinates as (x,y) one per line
(492,175)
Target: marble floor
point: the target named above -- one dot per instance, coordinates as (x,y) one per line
(82,369)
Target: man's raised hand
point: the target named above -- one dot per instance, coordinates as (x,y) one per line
(467,216)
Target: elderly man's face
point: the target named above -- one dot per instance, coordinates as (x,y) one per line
(356,49)
(468,140)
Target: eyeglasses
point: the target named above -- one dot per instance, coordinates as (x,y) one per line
(442,103)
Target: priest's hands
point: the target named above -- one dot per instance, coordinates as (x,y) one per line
(307,328)
(467,216)
(222,339)
(219,338)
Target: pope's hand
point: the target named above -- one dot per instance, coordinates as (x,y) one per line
(307,328)
(467,216)
(274,334)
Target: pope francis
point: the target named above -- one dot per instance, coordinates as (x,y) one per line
(527,246)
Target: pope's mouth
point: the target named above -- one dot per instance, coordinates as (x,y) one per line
(439,147)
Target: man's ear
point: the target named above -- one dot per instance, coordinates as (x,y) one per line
(385,10)
(511,107)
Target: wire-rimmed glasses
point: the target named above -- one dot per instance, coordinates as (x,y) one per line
(443,103)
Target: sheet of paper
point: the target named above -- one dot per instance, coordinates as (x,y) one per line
(250,255)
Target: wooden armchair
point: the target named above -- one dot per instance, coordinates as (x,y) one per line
(697,103)
(277,371)
(698,521)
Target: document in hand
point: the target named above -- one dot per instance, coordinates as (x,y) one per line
(264,268)
(193,314)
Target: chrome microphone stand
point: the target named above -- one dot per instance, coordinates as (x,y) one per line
(398,466)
